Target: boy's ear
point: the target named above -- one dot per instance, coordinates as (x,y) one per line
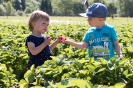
(100,19)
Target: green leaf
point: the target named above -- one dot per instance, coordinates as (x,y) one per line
(22,55)
(51,85)
(29,76)
(3,67)
(23,84)
(32,68)
(2,75)
(48,74)
(103,61)
(109,65)
(97,64)
(130,76)
(91,60)
(119,85)
(91,68)
(130,49)
(112,60)
(22,49)
(82,61)
(65,81)
(79,83)
(66,75)
(60,86)
(81,73)
(36,87)
(125,72)
(53,58)
(101,70)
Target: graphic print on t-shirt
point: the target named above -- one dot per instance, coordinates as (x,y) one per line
(100,46)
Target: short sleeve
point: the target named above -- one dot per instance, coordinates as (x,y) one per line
(29,39)
(114,37)
(86,37)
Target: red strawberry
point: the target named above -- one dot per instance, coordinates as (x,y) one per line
(48,37)
(62,38)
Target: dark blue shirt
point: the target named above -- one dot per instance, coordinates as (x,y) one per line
(41,57)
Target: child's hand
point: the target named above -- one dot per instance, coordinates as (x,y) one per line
(47,40)
(49,37)
(62,39)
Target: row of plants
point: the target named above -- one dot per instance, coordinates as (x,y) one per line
(68,64)
(62,73)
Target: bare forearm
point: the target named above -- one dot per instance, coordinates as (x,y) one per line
(38,49)
(77,45)
(52,46)
(118,50)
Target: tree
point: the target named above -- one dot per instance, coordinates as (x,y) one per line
(50,8)
(32,5)
(78,8)
(1,1)
(17,4)
(55,7)
(100,1)
(66,7)
(112,9)
(23,5)
(8,8)
(2,10)
(125,8)
(46,6)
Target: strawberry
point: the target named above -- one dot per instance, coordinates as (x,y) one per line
(48,37)
(62,38)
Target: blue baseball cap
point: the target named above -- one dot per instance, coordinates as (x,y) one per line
(96,10)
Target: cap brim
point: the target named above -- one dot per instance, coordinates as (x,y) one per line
(83,15)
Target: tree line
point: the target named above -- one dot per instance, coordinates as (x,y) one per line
(120,8)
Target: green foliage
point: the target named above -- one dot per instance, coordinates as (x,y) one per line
(112,9)
(78,7)
(69,67)
(100,1)
(125,8)
(121,8)
(8,8)
(17,4)
(13,48)
(23,4)
(1,1)
(46,6)
(7,78)
(2,10)
(32,5)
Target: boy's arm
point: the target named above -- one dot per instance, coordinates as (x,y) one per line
(82,46)
(117,49)
(54,44)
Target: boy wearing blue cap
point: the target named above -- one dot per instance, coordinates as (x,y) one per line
(101,39)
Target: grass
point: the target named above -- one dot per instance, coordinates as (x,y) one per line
(115,21)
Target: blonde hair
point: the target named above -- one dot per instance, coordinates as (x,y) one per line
(35,16)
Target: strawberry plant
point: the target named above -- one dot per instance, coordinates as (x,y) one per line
(68,63)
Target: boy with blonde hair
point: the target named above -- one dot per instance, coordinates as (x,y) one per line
(101,39)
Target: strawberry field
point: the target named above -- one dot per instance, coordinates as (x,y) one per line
(70,67)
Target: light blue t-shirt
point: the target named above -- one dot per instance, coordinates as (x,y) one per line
(101,42)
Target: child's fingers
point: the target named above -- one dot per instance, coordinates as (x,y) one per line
(49,37)
(62,39)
